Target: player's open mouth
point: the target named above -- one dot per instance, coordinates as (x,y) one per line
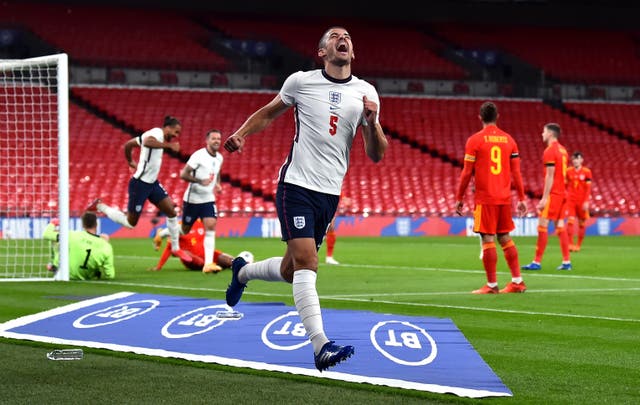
(342,47)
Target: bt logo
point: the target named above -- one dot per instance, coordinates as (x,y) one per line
(404,343)
(115,314)
(285,332)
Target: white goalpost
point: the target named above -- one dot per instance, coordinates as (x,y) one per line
(34,168)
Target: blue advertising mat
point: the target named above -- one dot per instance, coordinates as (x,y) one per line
(412,352)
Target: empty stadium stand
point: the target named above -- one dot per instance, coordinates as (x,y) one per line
(419,173)
(442,126)
(118,36)
(583,55)
(397,51)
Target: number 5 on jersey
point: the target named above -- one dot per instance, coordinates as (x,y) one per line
(333,124)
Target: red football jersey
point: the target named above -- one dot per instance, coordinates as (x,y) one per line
(579,184)
(555,155)
(194,240)
(491,151)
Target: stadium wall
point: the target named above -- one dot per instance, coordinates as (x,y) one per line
(373,226)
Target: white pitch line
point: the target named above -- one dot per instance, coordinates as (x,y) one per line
(536,291)
(418,304)
(508,311)
(525,273)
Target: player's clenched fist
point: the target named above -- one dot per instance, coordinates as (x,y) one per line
(234,143)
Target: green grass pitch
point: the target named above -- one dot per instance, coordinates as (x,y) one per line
(572,338)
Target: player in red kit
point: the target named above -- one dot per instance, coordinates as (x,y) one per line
(579,190)
(553,204)
(491,156)
(330,238)
(192,244)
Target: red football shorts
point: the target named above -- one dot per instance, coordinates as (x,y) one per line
(492,219)
(555,209)
(576,209)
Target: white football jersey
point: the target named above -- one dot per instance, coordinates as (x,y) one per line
(328,113)
(204,166)
(150,160)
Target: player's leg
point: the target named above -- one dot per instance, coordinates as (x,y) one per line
(128,220)
(484,224)
(160,199)
(582,231)
(490,263)
(504,227)
(511,256)
(559,214)
(570,229)
(564,245)
(331,243)
(196,262)
(138,193)
(571,223)
(209,223)
(542,240)
(583,216)
(303,275)
(222,259)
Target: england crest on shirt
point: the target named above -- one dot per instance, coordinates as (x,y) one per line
(335,97)
(298,222)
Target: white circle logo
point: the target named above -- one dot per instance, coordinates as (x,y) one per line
(116,313)
(406,340)
(285,330)
(194,322)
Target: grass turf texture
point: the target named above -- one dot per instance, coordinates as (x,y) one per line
(573,337)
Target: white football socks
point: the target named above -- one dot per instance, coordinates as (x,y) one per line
(267,270)
(209,246)
(307,303)
(174,233)
(115,215)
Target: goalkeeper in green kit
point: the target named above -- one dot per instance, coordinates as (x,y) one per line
(90,254)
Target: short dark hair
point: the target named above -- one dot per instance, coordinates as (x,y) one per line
(89,220)
(170,121)
(211,131)
(323,39)
(577,154)
(555,128)
(488,112)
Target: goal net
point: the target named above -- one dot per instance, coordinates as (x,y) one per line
(34,169)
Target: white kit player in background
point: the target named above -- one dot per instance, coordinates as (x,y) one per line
(330,106)
(202,172)
(144,184)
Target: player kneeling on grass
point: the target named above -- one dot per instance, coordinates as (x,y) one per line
(192,244)
(90,254)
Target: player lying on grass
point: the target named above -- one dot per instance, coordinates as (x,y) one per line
(192,244)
